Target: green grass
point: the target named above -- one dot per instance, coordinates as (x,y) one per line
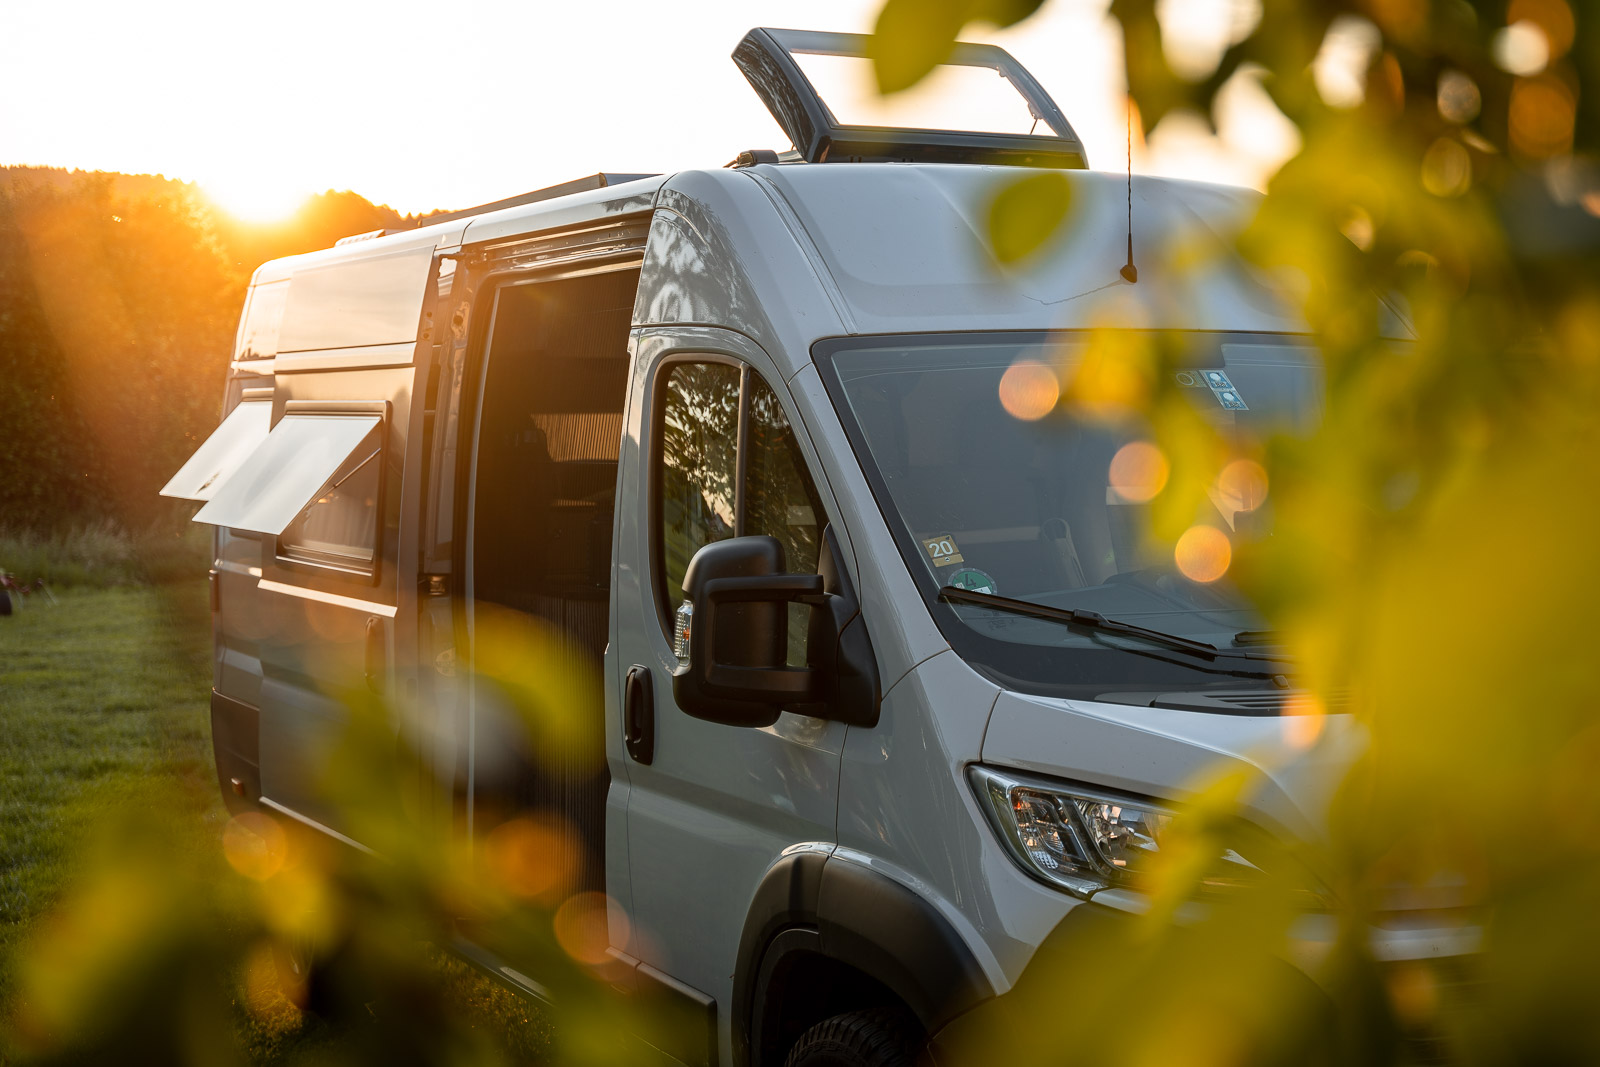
(104,705)
(97,694)
(104,555)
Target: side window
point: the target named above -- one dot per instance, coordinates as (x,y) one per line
(697,434)
(709,411)
(340,526)
(779,498)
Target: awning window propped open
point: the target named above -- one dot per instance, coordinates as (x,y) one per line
(221,454)
(289,468)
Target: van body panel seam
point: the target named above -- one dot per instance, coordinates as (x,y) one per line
(912,669)
(807,245)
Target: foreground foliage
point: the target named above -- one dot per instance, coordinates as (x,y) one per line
(1428,565)
(125,934)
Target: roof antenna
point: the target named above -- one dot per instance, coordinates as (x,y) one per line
(1129,271)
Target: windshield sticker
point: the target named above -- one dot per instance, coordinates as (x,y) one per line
(942,550)
(1223,390)
(973,581)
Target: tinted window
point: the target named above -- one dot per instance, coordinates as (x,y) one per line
(372,300)
(701,498)
(258,334)
(992,487)
(340,526)
(780,500)
(698,434)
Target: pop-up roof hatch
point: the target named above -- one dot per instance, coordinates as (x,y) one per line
(777,63)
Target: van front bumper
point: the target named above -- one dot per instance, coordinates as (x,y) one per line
(1423,965)
(1398,936)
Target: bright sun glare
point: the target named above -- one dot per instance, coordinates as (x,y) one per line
(254,197)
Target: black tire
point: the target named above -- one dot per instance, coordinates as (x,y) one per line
(296,962)
(328,984)
(881,1037)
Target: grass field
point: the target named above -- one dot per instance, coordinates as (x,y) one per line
(103,705)
(103,556)
(100,692)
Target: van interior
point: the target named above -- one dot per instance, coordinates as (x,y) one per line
(552,382)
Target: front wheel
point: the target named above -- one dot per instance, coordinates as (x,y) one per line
(882,1037)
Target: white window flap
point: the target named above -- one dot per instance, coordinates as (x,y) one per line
(220,455)
(289,468)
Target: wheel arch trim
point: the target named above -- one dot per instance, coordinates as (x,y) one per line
(859,917)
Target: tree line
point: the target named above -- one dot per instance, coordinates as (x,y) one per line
(119,298)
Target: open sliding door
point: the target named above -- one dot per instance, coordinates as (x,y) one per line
(551,390)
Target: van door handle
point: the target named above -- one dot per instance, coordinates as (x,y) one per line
(639,714)
(375,655)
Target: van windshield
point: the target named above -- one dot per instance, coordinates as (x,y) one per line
(990,488)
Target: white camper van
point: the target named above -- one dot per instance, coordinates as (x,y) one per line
(892,686)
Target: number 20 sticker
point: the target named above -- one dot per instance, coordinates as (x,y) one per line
(942,550)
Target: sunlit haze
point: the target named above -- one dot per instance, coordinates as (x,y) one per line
(422,107)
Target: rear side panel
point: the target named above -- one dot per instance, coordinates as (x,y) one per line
(236,652)
(316,650)
(307,616)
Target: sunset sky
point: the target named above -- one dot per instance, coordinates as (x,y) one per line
(262,105)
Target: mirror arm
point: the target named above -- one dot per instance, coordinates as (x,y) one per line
(838,645)
(781,588)
(785,685)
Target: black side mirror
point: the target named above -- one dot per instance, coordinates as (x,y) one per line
(738,673)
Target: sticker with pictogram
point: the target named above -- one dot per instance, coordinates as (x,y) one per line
(942,550)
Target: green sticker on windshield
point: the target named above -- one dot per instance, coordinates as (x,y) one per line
(973,580)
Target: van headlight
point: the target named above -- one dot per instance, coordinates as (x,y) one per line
(1084,841)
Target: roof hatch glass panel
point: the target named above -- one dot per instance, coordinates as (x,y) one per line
(976,99)
(229,445)
(287,471)
(979,106)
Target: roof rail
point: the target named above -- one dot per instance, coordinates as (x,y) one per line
(353,238)
(579,185)
(550,192)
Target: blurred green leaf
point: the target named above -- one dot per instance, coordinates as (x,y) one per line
(1424,563)
(1026,212)
(911,38)
(1001,13)
(914,36)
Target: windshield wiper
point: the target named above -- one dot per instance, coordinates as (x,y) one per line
(1092,620)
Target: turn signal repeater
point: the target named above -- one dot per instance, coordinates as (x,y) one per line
(1084,841)
(681,620)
